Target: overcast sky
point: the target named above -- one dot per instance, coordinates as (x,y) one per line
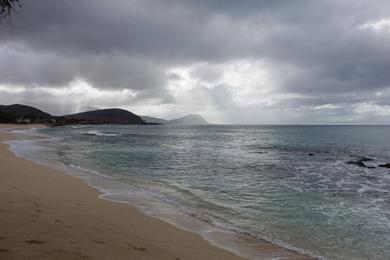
(247,61)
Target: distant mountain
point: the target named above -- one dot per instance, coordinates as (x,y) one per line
(15,112)
(153,120)
(188,120)
(21,113)
(106,116)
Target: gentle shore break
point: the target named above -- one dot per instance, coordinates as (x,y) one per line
(52,215)
(45,214)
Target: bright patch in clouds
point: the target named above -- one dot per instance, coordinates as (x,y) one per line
(82,90)
(326,107)
(250,83)
(373,109)
(382,25)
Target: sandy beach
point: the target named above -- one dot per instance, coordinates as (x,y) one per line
(46,214)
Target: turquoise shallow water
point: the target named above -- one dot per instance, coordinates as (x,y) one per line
(287,184)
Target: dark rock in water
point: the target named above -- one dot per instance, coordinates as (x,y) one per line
(358,163)
(371,167)
(362,158)
(311,154)
(366,159)
(386,165)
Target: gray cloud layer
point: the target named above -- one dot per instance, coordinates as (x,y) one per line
(327,61)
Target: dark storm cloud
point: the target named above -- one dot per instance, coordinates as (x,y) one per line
(322,51)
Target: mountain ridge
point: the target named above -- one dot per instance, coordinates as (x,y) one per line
(18,112)
(192,119)
(154,120)
(107,116)
(27,114)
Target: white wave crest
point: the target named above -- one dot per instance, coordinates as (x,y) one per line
(98,133)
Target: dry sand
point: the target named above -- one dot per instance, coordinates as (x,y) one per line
(46,214)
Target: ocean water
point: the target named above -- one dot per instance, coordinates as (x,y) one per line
(290,185)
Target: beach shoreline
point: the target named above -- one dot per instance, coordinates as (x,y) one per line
(49,222)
